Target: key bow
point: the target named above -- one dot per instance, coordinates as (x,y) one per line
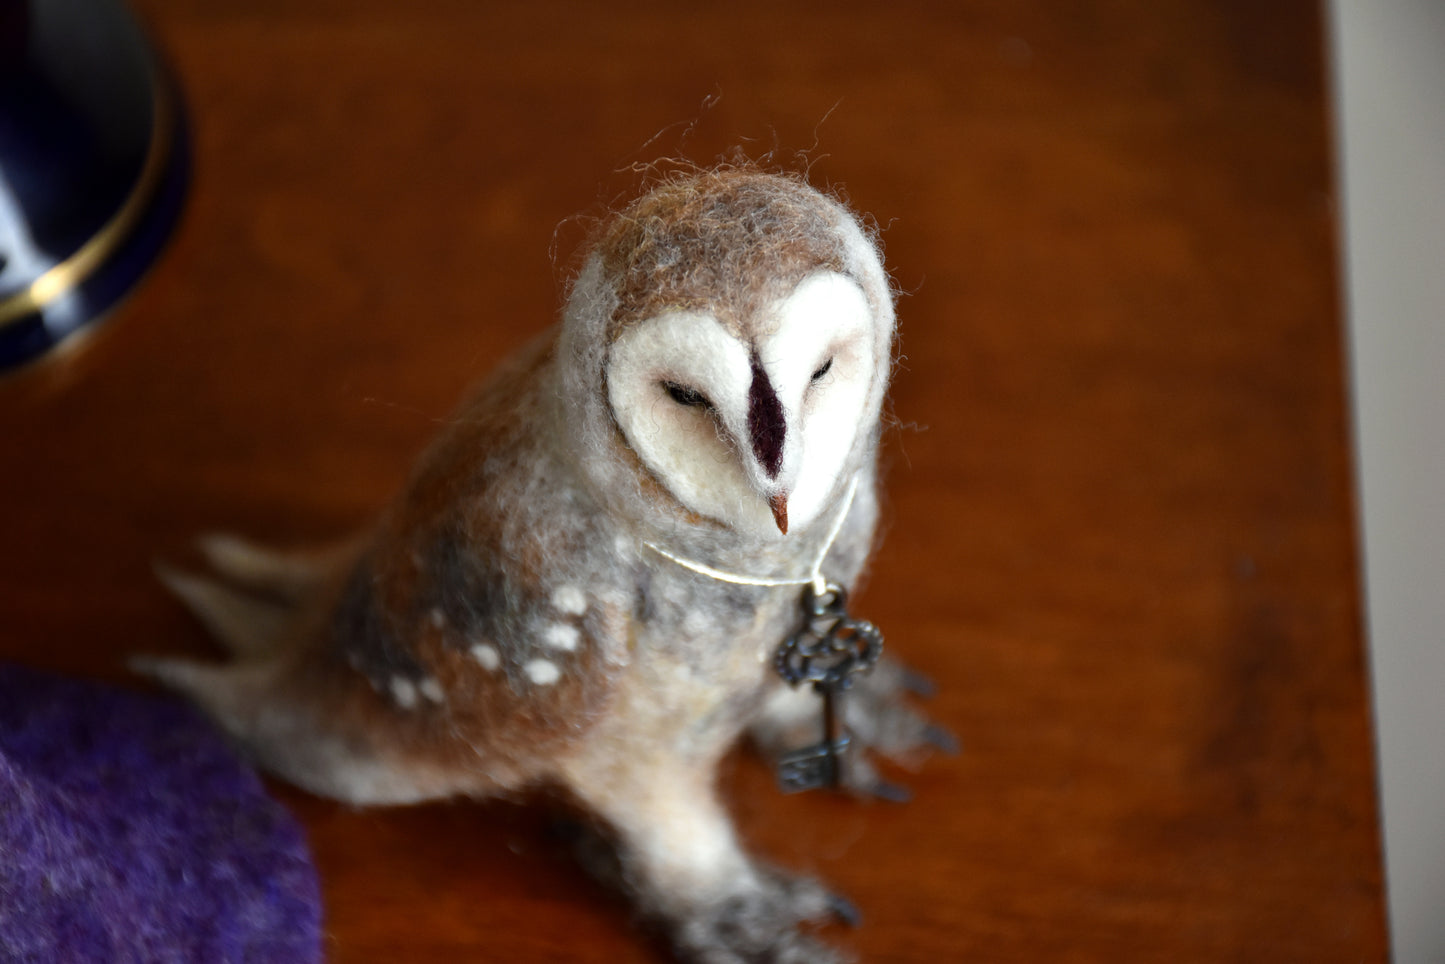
(832,647)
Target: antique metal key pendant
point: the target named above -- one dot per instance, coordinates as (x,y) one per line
(828,652)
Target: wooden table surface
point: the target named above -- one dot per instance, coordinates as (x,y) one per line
(1119,523)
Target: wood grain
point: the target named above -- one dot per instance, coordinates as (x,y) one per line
(1120,521)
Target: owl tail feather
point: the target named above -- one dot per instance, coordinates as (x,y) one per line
(290,733)
(256,594)
(242,699)
(314,729)
(249,627)
(286,577)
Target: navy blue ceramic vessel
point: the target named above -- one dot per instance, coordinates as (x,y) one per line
(94,163)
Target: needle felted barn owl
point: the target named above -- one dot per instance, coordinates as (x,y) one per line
(585,582)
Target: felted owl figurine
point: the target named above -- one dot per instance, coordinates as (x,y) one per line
(586,580)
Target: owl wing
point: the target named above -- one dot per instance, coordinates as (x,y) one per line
(476,657)
(475,632)
(487,612)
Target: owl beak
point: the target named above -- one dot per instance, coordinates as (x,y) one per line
(779,505)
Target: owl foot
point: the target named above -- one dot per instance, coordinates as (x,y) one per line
(759,923)
(762,924)
(678,858)
(881,718)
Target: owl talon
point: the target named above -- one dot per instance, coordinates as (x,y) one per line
(844,910)
(942,738)
(861,779)
(892,792)
(916,683)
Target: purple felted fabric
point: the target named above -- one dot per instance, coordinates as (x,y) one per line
(130,832)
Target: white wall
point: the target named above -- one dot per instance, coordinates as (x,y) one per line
(1389,59)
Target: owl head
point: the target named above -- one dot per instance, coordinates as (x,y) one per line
(725,354)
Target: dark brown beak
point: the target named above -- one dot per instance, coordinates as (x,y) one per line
(779,505)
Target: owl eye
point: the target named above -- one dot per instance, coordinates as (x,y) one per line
(823,369)
(683,395)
